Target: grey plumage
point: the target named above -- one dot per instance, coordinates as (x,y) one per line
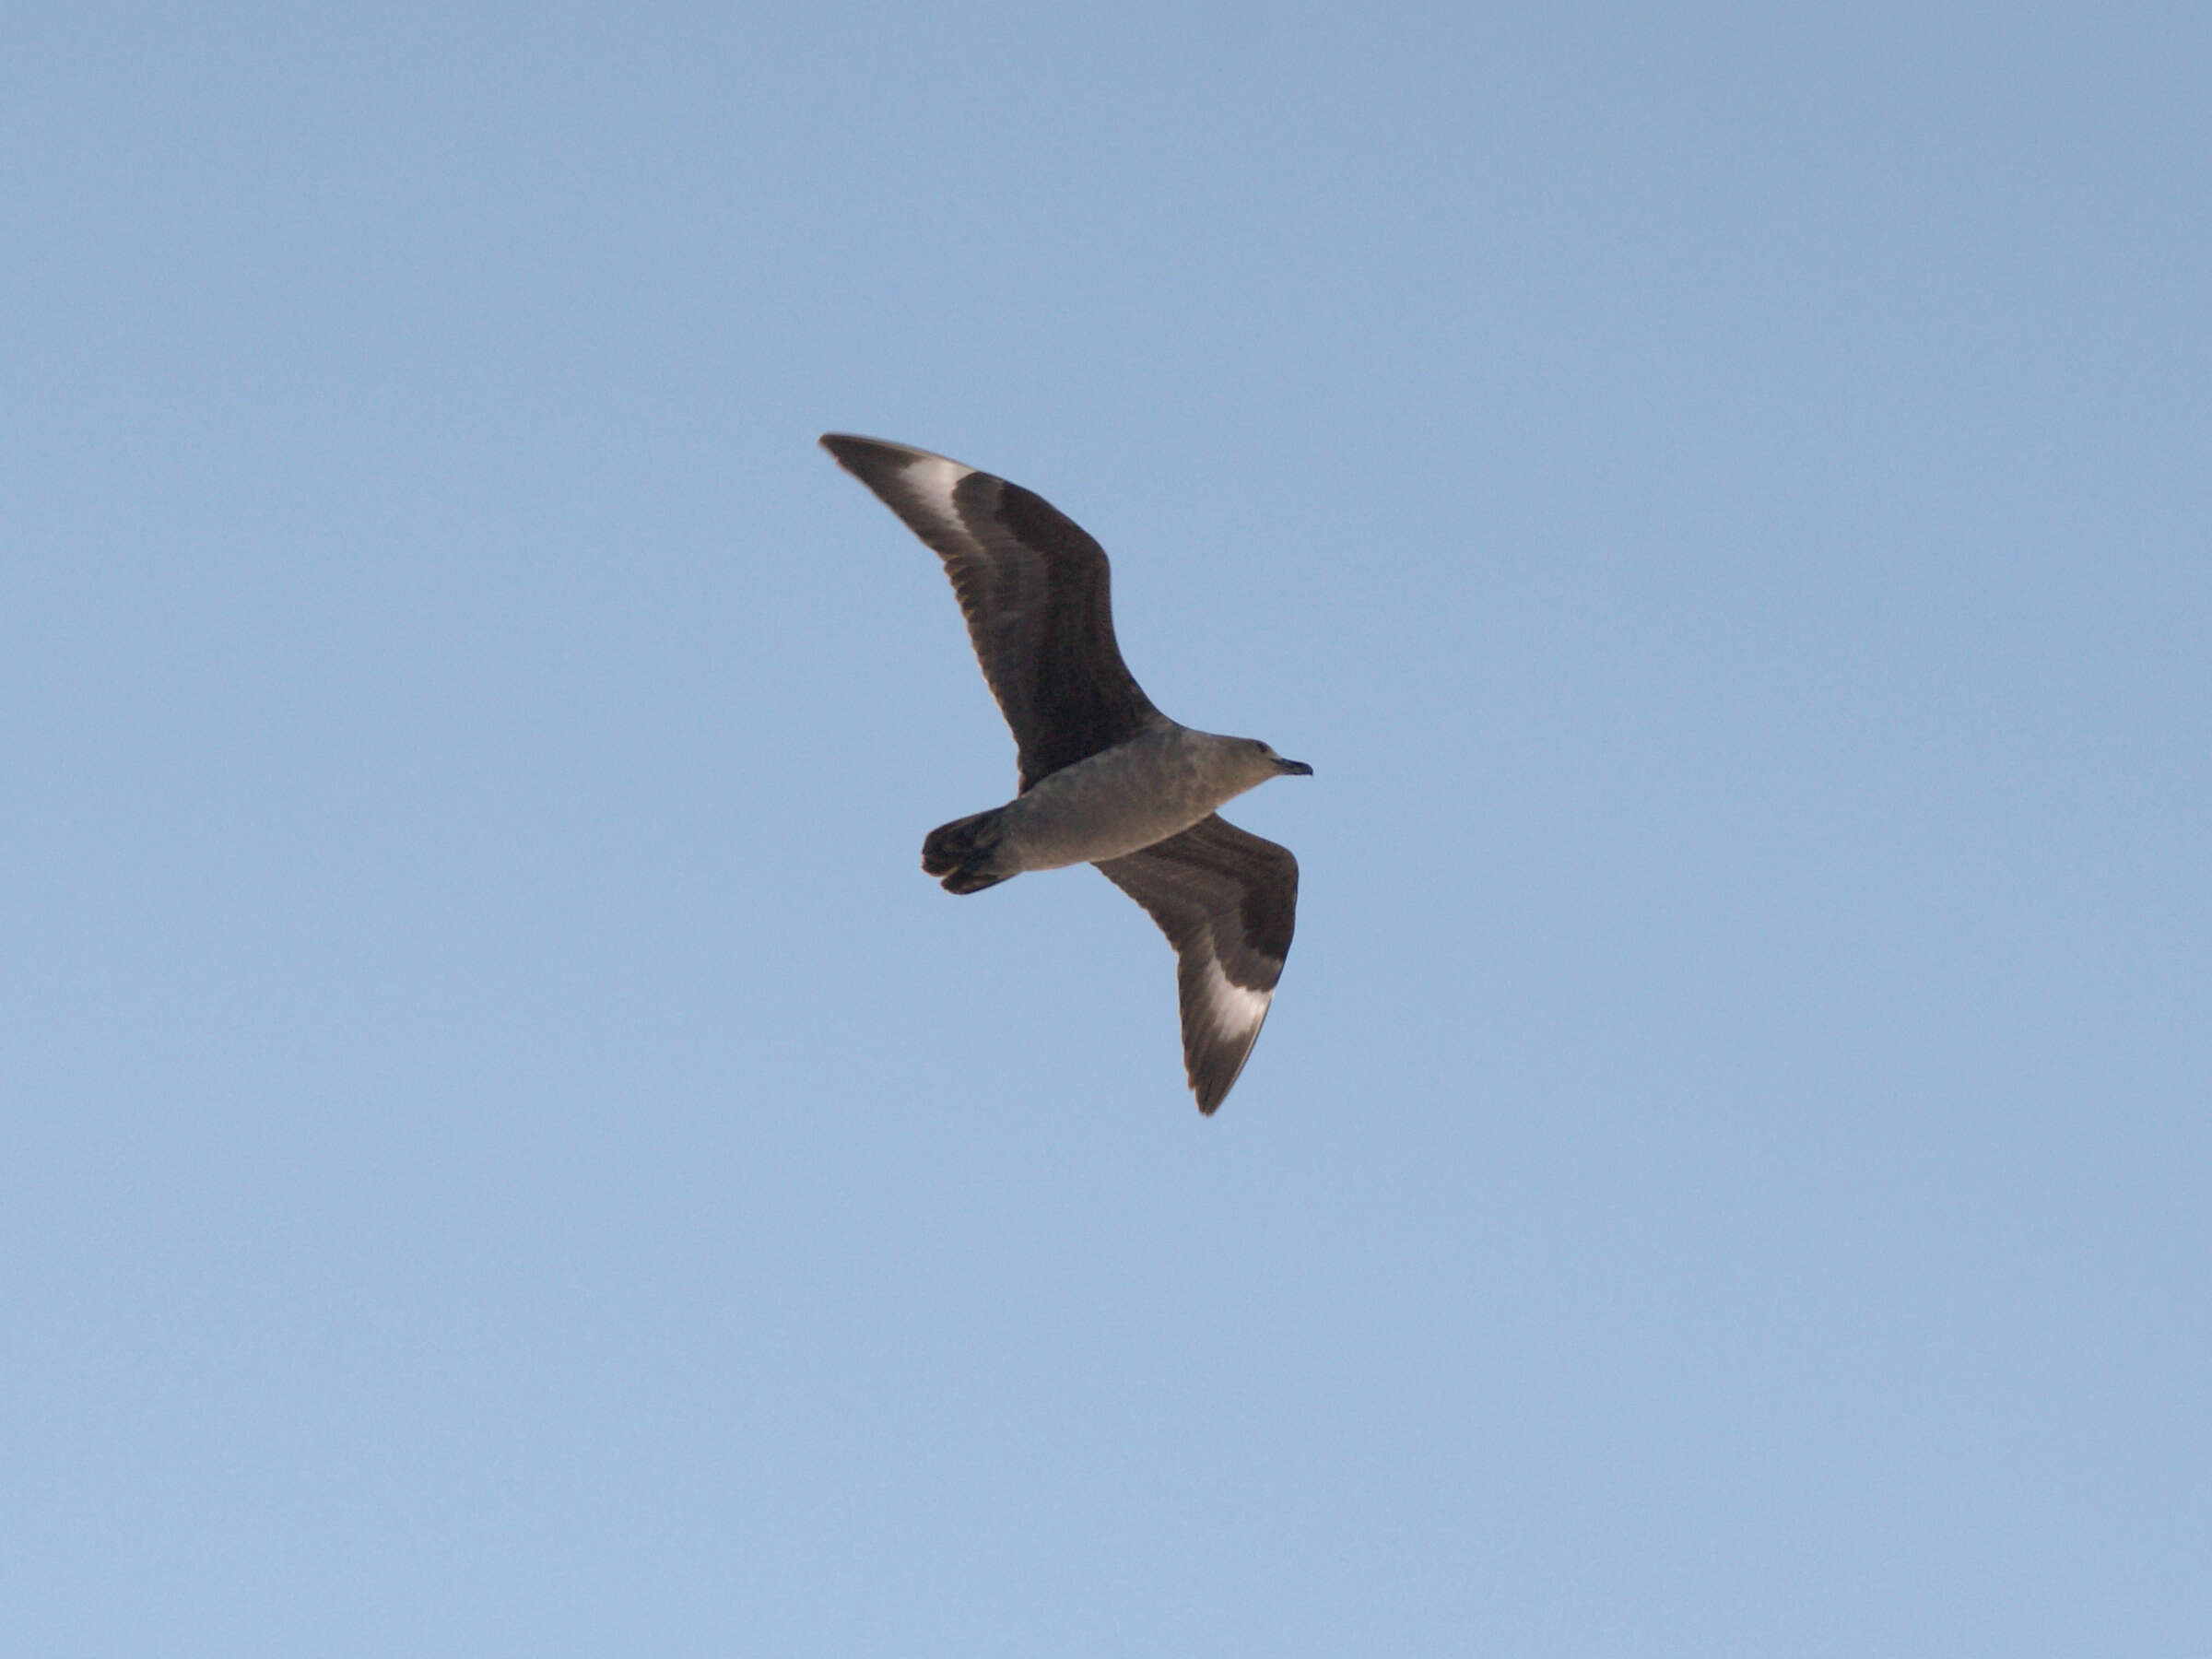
(1105,777)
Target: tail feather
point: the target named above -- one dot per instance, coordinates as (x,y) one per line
(960,851)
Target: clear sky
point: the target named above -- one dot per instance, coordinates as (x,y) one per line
(506,1153)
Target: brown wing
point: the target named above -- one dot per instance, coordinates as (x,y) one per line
(1228,901)
(1035,588)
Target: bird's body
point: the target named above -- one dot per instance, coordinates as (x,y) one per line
(1106,777)
(1124,799)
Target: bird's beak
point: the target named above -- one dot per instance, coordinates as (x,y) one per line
(1292,768)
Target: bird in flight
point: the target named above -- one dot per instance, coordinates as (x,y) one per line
(1106,778)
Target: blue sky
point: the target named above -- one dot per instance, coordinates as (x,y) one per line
(505,1151)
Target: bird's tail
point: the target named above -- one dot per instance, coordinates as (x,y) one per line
(960,851)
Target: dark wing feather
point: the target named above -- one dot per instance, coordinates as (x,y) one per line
(1033,586)
(1226,901)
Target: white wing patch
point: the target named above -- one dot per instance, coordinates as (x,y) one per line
(933,480)
(1233,1011)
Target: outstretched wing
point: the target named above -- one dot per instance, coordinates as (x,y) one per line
(1226,901)
(1033,587)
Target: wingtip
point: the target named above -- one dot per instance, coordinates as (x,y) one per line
(871,460)
(1212,1090)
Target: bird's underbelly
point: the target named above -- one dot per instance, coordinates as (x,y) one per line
(1107,807)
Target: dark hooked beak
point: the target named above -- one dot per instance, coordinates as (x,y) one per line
(1292,768)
